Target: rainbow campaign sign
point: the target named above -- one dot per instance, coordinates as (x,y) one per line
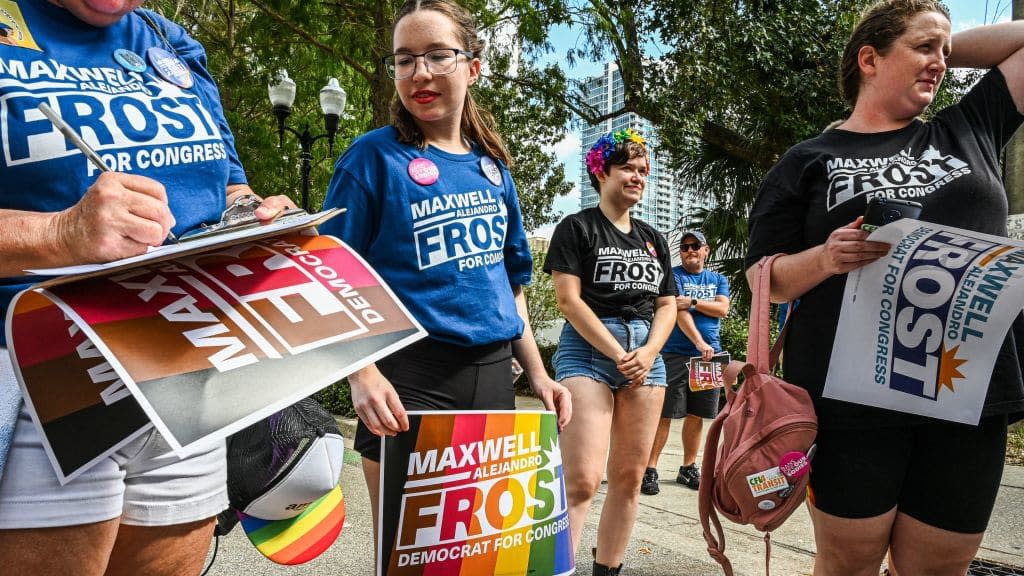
(920,330)
(468,493)
(199,345)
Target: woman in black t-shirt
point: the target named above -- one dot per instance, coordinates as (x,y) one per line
(884,480)
(614,286)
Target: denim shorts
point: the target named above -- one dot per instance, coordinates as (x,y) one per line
(576,357)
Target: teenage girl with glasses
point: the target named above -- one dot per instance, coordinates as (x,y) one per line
(432,207)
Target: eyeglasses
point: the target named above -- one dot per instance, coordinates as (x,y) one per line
(687,246)
(437,62)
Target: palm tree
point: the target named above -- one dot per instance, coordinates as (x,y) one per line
(730,182)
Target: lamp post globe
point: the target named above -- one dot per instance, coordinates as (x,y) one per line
(282,95)
(332,103)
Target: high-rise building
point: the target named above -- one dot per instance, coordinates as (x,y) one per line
(665,199)
(538,244)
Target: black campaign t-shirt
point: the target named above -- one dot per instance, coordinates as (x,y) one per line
(621,274)
(950,165)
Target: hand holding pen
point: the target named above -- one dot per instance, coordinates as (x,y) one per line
(120,215)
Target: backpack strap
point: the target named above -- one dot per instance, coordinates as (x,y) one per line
(760,304)
(763,357)
(707,513)
(729,376)
(706,509)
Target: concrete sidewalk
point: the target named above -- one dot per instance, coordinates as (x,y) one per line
(667,538)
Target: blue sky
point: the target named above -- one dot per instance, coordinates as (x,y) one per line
(971,13)
(965,14)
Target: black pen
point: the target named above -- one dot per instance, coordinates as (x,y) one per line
(75,139)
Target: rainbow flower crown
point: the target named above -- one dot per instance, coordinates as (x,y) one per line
(605,146)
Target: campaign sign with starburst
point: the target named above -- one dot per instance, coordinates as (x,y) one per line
(921,330)
(466,493)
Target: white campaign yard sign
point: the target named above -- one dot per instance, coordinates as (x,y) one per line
(920,329)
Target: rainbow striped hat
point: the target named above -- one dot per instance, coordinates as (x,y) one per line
(298,509)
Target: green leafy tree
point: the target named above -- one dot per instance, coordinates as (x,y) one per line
(733,335)
(763,76)
(729,84)
(540,296)
(247,41)
(607,31)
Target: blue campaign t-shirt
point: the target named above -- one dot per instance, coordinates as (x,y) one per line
(139,123)
(451,249)
(706,285)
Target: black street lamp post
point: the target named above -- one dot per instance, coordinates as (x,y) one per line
(332,103)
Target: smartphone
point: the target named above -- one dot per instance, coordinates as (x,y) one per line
(882,211)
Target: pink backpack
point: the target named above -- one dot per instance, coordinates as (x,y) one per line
(758,450)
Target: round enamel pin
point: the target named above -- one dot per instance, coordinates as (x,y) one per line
(170,67)
(130,60)
(794,465)
(423,171)
(491,170)
(766,505)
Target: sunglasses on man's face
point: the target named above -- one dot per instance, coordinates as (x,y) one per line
(687,246)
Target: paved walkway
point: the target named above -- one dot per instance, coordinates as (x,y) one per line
(667,539)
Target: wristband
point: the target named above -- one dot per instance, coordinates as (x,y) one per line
(693,302)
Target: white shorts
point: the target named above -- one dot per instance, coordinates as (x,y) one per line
(144,482)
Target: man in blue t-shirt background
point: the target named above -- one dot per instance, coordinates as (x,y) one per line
(701,305)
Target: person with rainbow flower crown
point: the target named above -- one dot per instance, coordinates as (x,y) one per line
(613,283)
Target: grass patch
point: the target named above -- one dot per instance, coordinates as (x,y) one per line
(1015,445)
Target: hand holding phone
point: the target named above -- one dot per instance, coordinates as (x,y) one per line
(881,211)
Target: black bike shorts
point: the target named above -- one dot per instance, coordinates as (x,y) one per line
(944,474)
(435,375)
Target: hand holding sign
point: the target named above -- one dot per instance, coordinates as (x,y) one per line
(931,319)
(376,402)
(266,209)
(847,249)
(555,397)
(706,351)
(273,206)
(708,373)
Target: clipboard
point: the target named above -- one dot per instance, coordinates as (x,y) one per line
(225,237)
(241,215)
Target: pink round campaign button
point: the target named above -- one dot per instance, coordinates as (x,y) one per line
(423,171)
(794,465)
